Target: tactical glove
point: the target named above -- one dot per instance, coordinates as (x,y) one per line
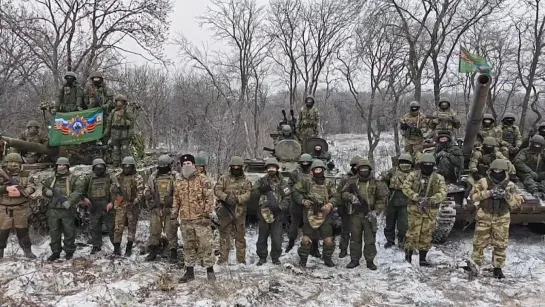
(513,151)
(498,193)
(404,126)
(263,189)
(307,203)
(66,204)
(48,193)
(440,155)
(354,199)
(423,203)
(231,200)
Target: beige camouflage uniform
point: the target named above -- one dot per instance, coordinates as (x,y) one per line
(129,208)
(414,136)
(446,120)
(480,162)
(160,213)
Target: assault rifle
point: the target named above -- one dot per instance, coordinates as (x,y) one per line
(272,204)
(443,118)
(58,198)
(293,122)
(156,198)
(231,213)
(121,195)
(12,182)
(317,203)
(353,188)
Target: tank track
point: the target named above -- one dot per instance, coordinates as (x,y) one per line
(445,222)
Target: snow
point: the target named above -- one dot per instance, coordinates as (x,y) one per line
(103,281)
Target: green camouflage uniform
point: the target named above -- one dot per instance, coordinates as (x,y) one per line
(98,97)
(62,221)
(480,162)
(69,98)
(396,212)
(530,168)
(296,210)
(309,119)
(101,191)
(495,132)
(343,213)
(422,224)
(134,187)
(493,219)
(241,188)
(414,134)
(450,160)
(511,138)
(120,130)
(268,223)
(322,155)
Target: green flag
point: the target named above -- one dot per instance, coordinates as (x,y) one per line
(78,127)
(470,63)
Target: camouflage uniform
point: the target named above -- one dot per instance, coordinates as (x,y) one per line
(229,186)
(15,204)
(480,161)
(98,96)
(444,119)
(285,134)
(414,126)
(70,97)
(511,136)
(492,131)
(321,155)
(274,195)
(449,158)
(363,215)
(530,166)
(495,201)
(120,130)
(309,119)
(296,210)
(420,188)
(32,134)
(318,196)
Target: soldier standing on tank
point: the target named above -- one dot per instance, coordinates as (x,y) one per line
(444,119)
(98,95)
(449,157)
(426,190)
(70,97)
(274,195)
(127,205)
(302,172)
(63,191)
(345,206)
(233,191)
(15,194)
(318,196)
(159,194)
(511,136)
(396,212)
(101,190)
(309,119)
(414,125)
(539,131)
(193,206)
(495,196)
(530,166)
(367,199)
(482,157)
(120,129)
(489,129)
(285,134)
(33,134)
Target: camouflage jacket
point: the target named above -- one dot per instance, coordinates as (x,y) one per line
(38,138)
(324,156)
(432,187)
(133,186)
(527,162)
(163,185)
(494,132)
(511,136)
(297,175)
(69,185)
(192,198)
(482,193)
(480,162)
(343,181)
(452,161)
(280,190)
(309,189)
(103,188)
(26,184)
(394,178)
(69,98)
(308,121)
(239,187)
(120,124)
(417,126)
(98,97)
(371,190)
(445,120)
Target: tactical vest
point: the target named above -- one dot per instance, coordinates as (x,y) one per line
(163,190)
(316,219)
(14,201)
(422,184)
(367,190)
(120,123)
(69,99)
(307,119)
(494,206)
(279,190)
(396,182)
(96,96)
(509,135)
(444,124)
(129,186)
(415,126)
(64,186)
(99,188)
(484,163)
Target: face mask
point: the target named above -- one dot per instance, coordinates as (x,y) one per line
(415,110)
(99,170)
(127,169)
(33,130)
(163,169)
(237,172)
(535,147)
(443,106)
(317,150)
(541,132)
(353,169)
(309,103)
(426,169)
(188,170)
(271,171)
(305,167)
(62,169)
(13,167)
(405,167)
(487,123)
(498,176)
(508,122)
(488,149)
(364,174)
(70,81)
(97,83)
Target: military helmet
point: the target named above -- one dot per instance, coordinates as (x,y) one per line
(14,157)
(200,161)
(236,161)
(317,163)
(62,161)
(499,164)
(541,125)
(490,141)
(33,123)
(98,161)
(427,158)
(305,158)
(444,133)
(509,115)
(405,157)
(120,97)
(128,161)
(488,116)
(355,160)
(96,74)
(538,139)
(164,160)
(286,129)
(443,99)
(364,162)
(414,104)
(70,74)
(272,161)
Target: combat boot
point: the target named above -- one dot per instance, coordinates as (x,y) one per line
(95,250)
(210,274)
(389,244)
(315,249)
(152,253)
(303,262)
(1,253)
(128,249)
(343,253)
(423,261)
(291,243)
(353,264)
(173,255)
(276,261)
(69,255)
(408,255)
(371,266)
(261,262)
(188,276)
(328,262)
(28,253)
(54,257)
(498,273)
(117,249)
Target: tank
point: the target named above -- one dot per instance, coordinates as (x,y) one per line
(457,208)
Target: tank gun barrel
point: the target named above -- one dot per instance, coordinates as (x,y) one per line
(30,146)
(476,113)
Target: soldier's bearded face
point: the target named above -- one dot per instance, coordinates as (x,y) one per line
(443,140)
(13,166)
(33,130)
(99,169)
(305,165)
(318,171)
(69,80)
(271,170)
(444,105)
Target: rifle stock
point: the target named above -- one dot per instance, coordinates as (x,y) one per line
(354,190)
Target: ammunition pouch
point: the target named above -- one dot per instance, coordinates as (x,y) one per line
(495,206)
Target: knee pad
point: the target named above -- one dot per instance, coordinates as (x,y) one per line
(306,241)
(328,242)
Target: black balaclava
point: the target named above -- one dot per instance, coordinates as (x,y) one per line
(364,172)
(318,175)
(353,169)
(414,110)
(128,169)
(69,80)
(237,172)
(498,177)
(487,123)
(541,131)
(305,166)
(443,141)
(164,169)
(427,168)
(309,102)
(508,121)
(99,170)
(487,149)
(535,147)
(97,81)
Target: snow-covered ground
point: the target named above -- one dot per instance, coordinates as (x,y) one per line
(101,281)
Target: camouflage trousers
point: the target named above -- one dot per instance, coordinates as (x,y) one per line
(131,214)
(14,217)
(421,228)
(346,228)
(230,230)
(304,135)
(325,231)
(99,217)
(274,230)
(396,215)
(296,214)
(197,237)
(120,149)
(415,148)
(62,222)
(361,227)
(158,224)
(491,229)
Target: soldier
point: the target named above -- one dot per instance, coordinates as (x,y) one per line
(343,209)
(320,155)
(63,191)
(511,136)
(274,195)
(444,119)
(426,190)
(120,129)
(396,212)
(495,196)
(302,172)
(449,157)
(70,97)
(309,119)
(530,166)
(98,95)
(159,195)
(127,206)
(15,194)
(413,125)
(33,134)
(101,190)
(482,157)
(193,205)
(233,192)
(540,131)
(318,197)
(200,164)
(366,198)
(488,129)
(285,134)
